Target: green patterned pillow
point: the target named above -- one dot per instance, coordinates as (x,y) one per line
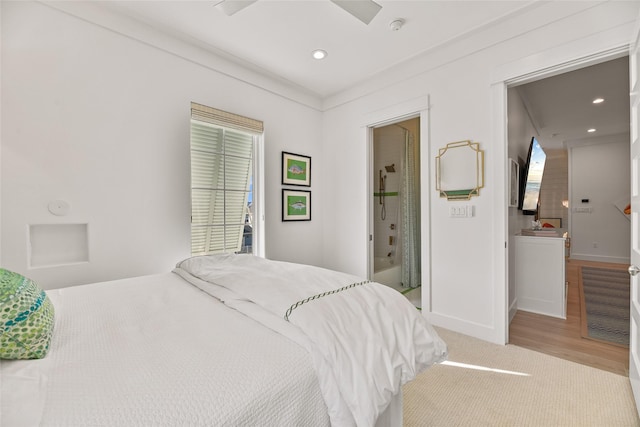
(26,318)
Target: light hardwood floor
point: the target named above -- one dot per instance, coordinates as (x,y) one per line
(561,338)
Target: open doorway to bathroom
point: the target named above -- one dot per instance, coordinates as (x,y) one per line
(396,207)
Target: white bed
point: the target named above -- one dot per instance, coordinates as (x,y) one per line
(157,350)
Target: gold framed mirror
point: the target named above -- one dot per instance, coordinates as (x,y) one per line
(460,170)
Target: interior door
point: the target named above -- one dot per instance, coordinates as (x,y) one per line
(634,338)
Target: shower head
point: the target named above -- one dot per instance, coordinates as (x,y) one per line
(391,168)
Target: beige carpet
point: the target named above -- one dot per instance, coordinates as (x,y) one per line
(529,389)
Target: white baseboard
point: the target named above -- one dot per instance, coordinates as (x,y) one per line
(513,308)
(464,327)
(598,258)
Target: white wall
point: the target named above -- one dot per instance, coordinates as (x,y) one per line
(464,292)
(600,172)
(101,120)
(519,130)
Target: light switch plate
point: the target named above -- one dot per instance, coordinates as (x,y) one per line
(461,211)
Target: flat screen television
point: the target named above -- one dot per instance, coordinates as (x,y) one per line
(532,178)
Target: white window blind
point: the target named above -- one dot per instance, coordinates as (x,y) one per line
(222,156)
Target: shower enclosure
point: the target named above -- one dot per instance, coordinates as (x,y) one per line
(396,226)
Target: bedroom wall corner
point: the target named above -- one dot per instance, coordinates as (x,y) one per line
(112,139)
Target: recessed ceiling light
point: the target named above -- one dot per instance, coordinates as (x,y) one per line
(319,54)
(591,130)
(598,100)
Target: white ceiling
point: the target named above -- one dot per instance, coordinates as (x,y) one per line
(562,109)
(278,36)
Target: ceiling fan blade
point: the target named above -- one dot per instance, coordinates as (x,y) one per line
(364,10)
(229,7)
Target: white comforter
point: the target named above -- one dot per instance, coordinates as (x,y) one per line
(366,341)
(156,351)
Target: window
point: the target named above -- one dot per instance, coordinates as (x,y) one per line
(225,155)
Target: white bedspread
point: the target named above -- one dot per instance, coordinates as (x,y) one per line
(366,341)
(157,351)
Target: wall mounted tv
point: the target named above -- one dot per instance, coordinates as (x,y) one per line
(532,178)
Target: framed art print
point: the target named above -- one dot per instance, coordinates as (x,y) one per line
(296,205)
(296,169)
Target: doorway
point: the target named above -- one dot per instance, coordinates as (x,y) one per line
(571,199)
(395,174)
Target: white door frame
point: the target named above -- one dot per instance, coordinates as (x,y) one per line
(572,56)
